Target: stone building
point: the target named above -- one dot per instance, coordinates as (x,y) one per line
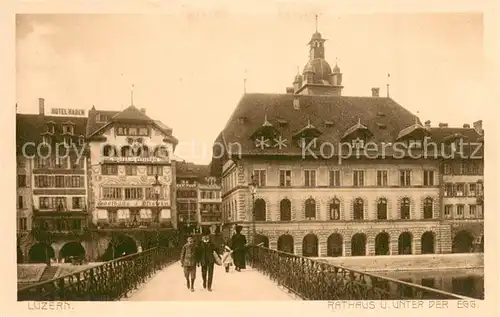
(334,175)
(51,183)
(131,177)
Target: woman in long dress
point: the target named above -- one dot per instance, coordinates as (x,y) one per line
(238,245)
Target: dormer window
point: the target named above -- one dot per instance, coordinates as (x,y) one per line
(68,129)
(282,123)
(416,144)
(81,140)
(307,136)
(357,135)
(328,124)
(358,143)
(68,141)
(264,134)
(51,127)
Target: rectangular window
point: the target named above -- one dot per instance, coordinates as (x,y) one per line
(446,169)
(144,131)
(358,178)
(448,211)
(448,190)
(23,224)
(460,190)
(151,194)
(259,177)
(132,131)
(61,162)
(109,169)
(131,170)
(382,178)
(428,178)
(44,181)
(77,202)
(20,202)
(60,181)
(21,180)
(472,211)
(310,178)
(472,190)
(77,181)
(460,211)
(285,178)
(134,193)
(405,178)
(60,203)
(155,170)
(44,202)
(334,179)
(112,193)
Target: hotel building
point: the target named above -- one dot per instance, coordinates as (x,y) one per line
(51,184)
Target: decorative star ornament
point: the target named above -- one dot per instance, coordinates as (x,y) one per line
(280,142)
(262,142)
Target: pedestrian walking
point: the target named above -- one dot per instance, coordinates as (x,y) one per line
(238,245)
(227,258)
(208,256)
(188,262)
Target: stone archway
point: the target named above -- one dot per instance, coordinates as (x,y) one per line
(70,250)
(285,243)
(463,242)
(310,245)
(382,244)
(262,239)
(41,253)
(120,245)
(405,243)
(334,245)
(358,244)
(427,243)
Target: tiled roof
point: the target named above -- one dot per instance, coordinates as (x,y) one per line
(191,170)
(439,135)
(130,114)
(342,113)
(30,127)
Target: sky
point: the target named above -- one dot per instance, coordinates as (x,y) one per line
(188,70)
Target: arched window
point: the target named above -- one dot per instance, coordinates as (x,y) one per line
(310,209)
(127,151)
(285,210)
(358,209)
(260,210)
(382,209)
(405,208)
(428,210)
(335,209)
(143,151)
(108,151)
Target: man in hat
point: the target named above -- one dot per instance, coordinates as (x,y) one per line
(188,262)
(207,251)
(238,245)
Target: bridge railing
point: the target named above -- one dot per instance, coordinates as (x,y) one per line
(109,281)
(315,280)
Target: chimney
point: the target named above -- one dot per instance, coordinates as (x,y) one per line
(41,106)
(428,123)
(466,126)
(143,110)
(443,125)
(478,126)
(375,92)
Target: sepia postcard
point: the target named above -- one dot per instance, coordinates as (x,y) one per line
(169,155)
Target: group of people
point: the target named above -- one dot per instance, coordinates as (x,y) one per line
(206,254)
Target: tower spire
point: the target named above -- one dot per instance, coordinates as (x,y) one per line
(316,23)
(132,95)
(245,82)
(388,76)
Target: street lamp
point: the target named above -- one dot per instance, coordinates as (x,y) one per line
(157,191)
(252,187)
